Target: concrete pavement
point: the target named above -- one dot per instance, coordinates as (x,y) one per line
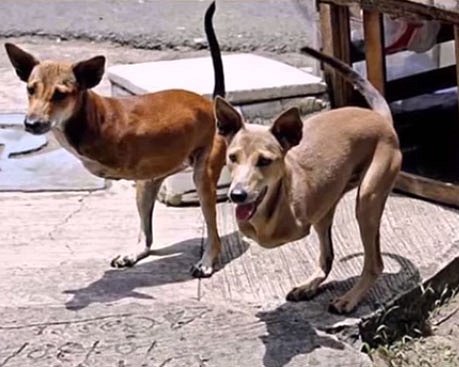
(62,305)
(269,25)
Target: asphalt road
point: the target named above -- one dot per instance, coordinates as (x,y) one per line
(269,25)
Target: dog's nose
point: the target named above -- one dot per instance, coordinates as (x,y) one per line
(238,195)
(35,125)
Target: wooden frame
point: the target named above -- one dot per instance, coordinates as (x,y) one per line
(374,49)
(337,43)
(414,9)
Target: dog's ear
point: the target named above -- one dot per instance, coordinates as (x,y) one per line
(22,61)
(89,72)
(229,121)
(288,128)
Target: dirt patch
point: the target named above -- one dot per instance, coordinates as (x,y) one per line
(441,349)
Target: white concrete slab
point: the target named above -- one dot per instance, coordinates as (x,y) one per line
(15,141)
(54,171)
(11,120)
(248,77)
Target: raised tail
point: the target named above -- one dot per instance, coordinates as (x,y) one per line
(219,77)
(368,91)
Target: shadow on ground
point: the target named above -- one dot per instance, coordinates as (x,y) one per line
(172,267)
(291,326)
(289,334)
(292,329)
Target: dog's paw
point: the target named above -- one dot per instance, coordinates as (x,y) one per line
(126,261)
(200,270)
(341,306)
(302,293)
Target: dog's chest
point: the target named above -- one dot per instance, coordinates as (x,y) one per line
(139,168)
(93,166)
(278,233)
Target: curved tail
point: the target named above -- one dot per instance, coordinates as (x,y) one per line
(219,77)
(371,94)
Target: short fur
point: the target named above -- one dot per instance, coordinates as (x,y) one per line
(143,138)
(290,176)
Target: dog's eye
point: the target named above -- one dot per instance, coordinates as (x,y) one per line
(263,162)
(30,90)
(232,158)
(58,95)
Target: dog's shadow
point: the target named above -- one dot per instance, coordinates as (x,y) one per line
(290,333)
(172,266)
(291,327)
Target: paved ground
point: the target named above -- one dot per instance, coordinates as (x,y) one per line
(63,306)
(270,25)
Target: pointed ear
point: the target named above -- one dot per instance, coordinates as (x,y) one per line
(229,121)
(22,61)
(89,73)
(288,128)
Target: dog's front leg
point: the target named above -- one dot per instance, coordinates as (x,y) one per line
(146,192)
(206,173)
(309,289)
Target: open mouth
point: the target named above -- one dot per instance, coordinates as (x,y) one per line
(246,211)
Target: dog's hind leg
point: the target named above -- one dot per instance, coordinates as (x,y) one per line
(207,169)
(371,199)
(309,289)
(146,192)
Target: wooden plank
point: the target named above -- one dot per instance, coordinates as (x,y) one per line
(326,39)
(374,49)
(437,191)
(341,39)
(441,10)
(335,29)
(456,45)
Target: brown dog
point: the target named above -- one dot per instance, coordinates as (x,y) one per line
(290,177)
(143,138)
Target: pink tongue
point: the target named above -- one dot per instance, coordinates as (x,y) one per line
(245,211)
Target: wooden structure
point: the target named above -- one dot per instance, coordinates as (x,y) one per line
(335,28)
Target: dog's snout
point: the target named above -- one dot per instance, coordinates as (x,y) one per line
(35,125)
(238,195)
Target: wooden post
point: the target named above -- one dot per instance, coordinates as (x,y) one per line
(335,30)
(456,45)
(374,49)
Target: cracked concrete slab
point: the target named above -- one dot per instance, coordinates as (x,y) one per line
(167,334)
(56,251)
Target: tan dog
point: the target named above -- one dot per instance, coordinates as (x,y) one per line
(143,138)
(290,177)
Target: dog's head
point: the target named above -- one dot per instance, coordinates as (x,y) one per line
(255,155)
(54,88)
